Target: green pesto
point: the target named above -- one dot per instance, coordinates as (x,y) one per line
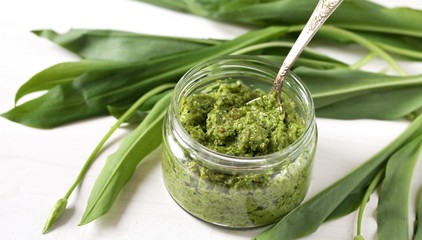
(226,121)
(237,200)
(221,120)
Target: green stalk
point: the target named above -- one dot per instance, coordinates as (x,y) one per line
(375,182)
(331,30)
(268,45)
(60,206)
(362,62)
(400,51)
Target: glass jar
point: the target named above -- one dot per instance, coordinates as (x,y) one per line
(237,192)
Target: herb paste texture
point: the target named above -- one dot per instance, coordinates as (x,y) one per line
(238,200)
(226,121)
(221,120)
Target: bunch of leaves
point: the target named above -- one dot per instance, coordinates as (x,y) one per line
(129,78)
(121,165)
(394,29)
(397,160)
(109,82)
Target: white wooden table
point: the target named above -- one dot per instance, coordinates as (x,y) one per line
(37,166)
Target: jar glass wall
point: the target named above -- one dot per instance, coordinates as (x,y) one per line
(237,192)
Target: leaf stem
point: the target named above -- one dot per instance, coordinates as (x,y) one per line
(331,30)
(373,47)
(92,158)
(365,60)
(375,182)
(400,51)
(260,46)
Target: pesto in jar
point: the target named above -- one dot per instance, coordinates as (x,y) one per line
(227,121)
(224,120)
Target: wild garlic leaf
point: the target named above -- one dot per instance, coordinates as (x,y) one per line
(60,74)
(89,94)
(393,204)
(60,206)
(306,218)
(404,46)
(115,45)
(121,165)
(309,62)
(335,82)
(62,104)
(140,114)
(356,15)
(379,104)
(352,94)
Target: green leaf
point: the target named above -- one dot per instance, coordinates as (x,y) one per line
(137,117)
(335,32)
(309,55)
(337,82)
(90,93)
(380,104)
(359,15)
(61,204)
(306,218)
(351,202)
(62,104)
(140,114)
(121,165)
(350,94)
(121,46)
(275,50)
(61,73)
(372,17)
(305,62)
(392,211)
(395,30)
(404,46)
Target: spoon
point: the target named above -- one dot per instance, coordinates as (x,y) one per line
(322,11)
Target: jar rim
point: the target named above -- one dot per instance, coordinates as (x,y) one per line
(240,162)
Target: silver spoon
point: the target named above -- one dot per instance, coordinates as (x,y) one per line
(322,11)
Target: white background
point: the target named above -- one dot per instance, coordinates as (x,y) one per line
(37,166)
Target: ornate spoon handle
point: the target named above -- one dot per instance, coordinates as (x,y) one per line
(322,11)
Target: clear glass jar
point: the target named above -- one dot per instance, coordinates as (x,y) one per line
(237,192)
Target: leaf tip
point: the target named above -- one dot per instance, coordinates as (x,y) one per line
(45,33)
(37,32)
(86,218)
(84,221)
